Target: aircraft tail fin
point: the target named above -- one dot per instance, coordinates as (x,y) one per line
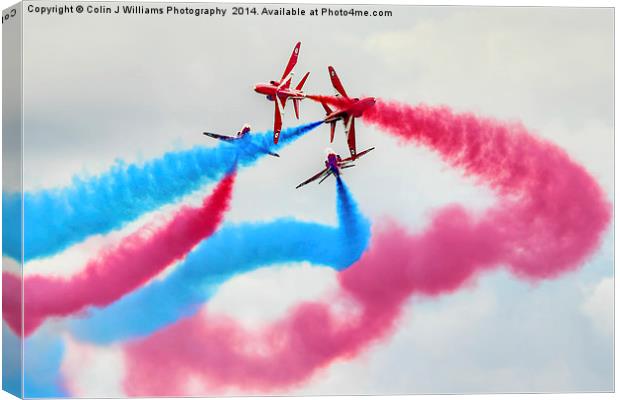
(286,82)
(332,130)
(325,177)
(336,82)
(291,61)
(326,107)
(301,83)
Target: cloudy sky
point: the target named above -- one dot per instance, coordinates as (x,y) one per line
(99,88)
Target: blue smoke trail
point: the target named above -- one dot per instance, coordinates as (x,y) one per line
(11,362)
(11,224)
(57,218)
(43,353)
(42,356)
(235,249)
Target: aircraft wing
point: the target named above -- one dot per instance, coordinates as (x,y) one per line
(220,137)
(291,61)
(350,132)
(349,159)
(277,120)
(323,174)
(336,82)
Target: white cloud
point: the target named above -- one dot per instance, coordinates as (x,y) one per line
(266,294)
(12,266)
(550,68)
(499,336)
(599,306)
(93,371)
(434,333)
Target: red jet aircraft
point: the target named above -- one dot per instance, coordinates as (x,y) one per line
(280,91)
(350,109)
(333,166)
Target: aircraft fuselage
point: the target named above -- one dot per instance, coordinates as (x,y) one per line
(270,91)
(355,109)
(332,163)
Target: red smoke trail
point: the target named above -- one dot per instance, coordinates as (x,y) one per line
(222,353)
(549,218)
(552,212)
(117,270)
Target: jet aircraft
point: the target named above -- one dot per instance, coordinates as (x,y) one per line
(334,164)
(280,91)
(347,110)
(245,129)
(242,138)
